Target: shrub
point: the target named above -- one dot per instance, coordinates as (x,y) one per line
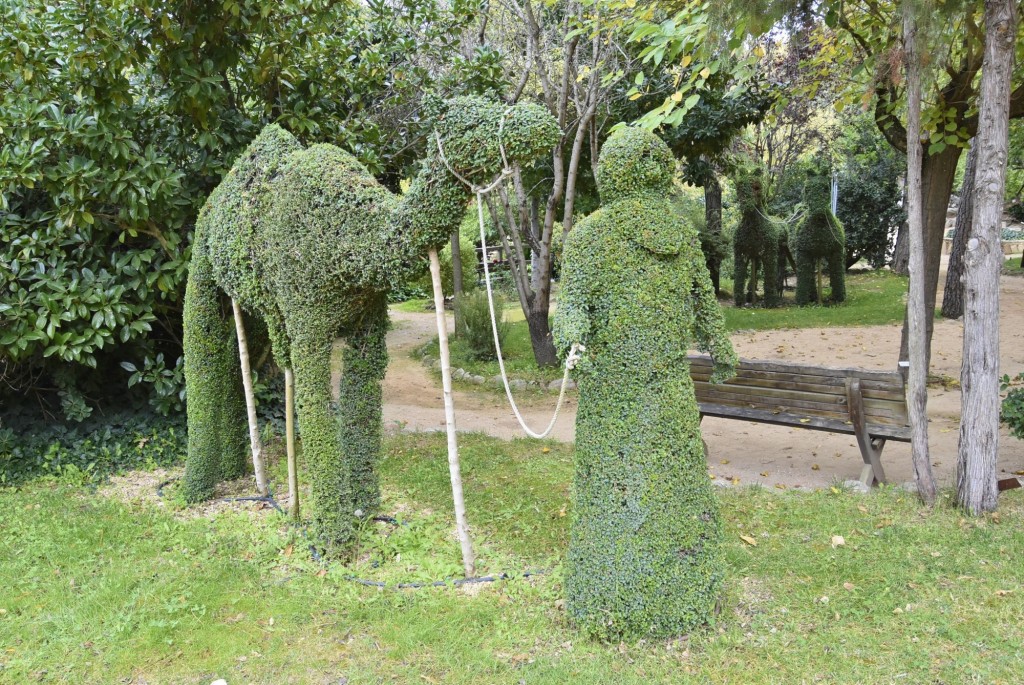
(97,447)
(474,316)
(1012,413)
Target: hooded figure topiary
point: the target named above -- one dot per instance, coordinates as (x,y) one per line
(644,548)
(308,241)
(819,238)
(758,244)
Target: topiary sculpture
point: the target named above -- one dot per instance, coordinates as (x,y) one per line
(819,237)
(758,244)
(307,240)
(643,553)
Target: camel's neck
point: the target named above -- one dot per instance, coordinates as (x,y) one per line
(428,213)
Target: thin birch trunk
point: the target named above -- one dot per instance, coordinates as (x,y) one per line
(976,481)
(917,387)
(289,440)
(468,560)
(250,402)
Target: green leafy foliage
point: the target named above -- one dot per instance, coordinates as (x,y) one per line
(474,316)
(91,450)
(1012,411)
(311,244)
(757,242)
(644,554)
(118,118)
(819,237)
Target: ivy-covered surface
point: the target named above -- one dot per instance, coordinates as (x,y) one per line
(643,554)
(819,237)
(309,242)
(758,243)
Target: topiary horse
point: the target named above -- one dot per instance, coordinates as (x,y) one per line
(819,237)
(644,557)
(758,244)
(309,242)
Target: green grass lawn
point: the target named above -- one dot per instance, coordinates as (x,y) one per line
(1012,266)
(874,298)
(96,590)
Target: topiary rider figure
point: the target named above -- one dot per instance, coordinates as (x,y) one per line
(758,244)
(819,238)
(643,554)
(309,242)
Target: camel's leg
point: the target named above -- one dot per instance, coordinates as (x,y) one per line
(804,278)
(330,504)
(837,275)
(754,264)
(819,295)
(739,278)
(770,264)
(359,406)
(217,439)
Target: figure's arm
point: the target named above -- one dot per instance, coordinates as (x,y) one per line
(710,324)
(572,319)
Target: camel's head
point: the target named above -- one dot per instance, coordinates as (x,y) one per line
(750,187)
(473,131)
(818,191)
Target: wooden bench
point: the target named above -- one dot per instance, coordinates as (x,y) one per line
(868,404)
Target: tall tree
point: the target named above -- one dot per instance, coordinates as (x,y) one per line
(567,62)
(979,426)
(917,388)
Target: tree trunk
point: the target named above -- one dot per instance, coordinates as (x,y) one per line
(540,337)
(937,175)
(900,263)
(917,307)
(713,220)
(250,403)
(976,482)
(953,295)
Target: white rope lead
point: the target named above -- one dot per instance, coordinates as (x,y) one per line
(570,361)
(573,356)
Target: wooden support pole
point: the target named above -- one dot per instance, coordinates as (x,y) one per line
(289,439)
(468,560)
(250,403)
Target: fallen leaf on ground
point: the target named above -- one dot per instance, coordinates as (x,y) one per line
(749,540)
(848,586)
(838,541)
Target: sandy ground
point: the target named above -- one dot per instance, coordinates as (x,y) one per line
(740,451)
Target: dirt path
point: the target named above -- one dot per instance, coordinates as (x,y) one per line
(748,452)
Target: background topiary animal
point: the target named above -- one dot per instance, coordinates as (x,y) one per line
(819,238)
(307,240)
(643,553)
(758,244)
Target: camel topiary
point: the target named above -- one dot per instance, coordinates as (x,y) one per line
(309,242)
(758,244)
(819,238)
(644,554)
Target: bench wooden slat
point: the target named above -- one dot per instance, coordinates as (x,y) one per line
(896,433)
(891,391)
(838,372)
(772,399)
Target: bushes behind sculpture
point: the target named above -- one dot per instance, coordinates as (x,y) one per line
(644,548)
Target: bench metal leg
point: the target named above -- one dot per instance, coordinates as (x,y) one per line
(870,448)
